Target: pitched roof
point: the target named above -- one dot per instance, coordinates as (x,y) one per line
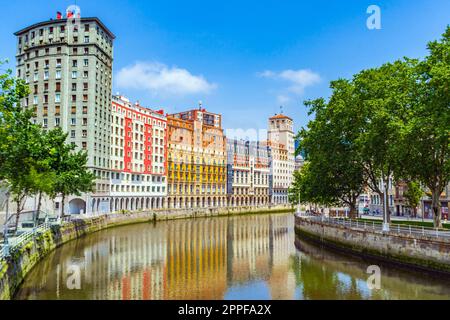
(280,116)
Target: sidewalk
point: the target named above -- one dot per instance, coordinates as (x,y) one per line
(396,218)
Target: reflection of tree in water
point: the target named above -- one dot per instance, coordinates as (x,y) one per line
(326,274)
(319,282)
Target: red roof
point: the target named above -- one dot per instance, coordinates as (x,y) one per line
(280,116)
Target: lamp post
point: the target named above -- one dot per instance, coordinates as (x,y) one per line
(5,225)
(386,225)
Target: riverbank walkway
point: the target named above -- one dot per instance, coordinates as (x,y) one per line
(371,225)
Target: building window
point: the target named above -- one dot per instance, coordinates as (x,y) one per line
(58,74)
(57,122)
(75,63)
(35,100)
(57,98)
(86,39)
(46,74)
(73,121)
(74,74)
(86,62)
(73,134)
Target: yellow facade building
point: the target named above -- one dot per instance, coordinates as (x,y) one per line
(196,160)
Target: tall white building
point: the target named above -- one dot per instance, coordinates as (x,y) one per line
(281,141)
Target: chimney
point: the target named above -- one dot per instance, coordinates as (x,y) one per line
(58,15)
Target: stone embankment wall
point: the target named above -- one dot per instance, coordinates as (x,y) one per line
(419,251)
(14,269)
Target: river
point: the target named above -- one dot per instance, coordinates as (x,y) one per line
(246,257)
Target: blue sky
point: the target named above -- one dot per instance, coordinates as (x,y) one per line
(242,58)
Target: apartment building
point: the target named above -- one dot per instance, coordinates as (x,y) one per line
(68,65)
(197,160)
(138,156)
(281,142)
(249,173)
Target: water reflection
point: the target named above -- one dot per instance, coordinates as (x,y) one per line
(250,257)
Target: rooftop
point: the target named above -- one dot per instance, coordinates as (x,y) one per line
(53,21)
(280,116)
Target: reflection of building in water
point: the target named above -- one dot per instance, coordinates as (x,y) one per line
(196,259)
(259,250)
(183,260)
(136,266)
(282,280)
(249,249)
(124,266)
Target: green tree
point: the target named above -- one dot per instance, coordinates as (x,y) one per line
(386,97)
(335,168)
(71,174)
(413,195)
(428,134)
(20,170)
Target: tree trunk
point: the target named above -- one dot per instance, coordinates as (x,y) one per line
(436,205)
(353,209)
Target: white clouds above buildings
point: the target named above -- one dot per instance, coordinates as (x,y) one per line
(159,79)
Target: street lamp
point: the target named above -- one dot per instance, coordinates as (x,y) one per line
(386,226)
(5,224)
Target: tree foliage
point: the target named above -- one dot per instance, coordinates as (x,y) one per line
(34,161)
(386,123)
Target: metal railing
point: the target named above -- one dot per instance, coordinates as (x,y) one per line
(16,242)
(377,226)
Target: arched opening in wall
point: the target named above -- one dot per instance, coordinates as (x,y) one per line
(152,205)
(214,202)
(192,202)
(198,203)
(147,203)
(77,206)
(116,207)
(127,204)
(209,202)
(142,203)
(186,202)
(203,203)
(132,204)
(169,203)
(121,204)
(111,205)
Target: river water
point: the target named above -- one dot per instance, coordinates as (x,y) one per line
(247,257)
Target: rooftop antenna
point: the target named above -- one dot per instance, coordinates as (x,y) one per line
(200,105)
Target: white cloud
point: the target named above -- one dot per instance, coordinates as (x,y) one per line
(158,78)
(283,99)
(299,79)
